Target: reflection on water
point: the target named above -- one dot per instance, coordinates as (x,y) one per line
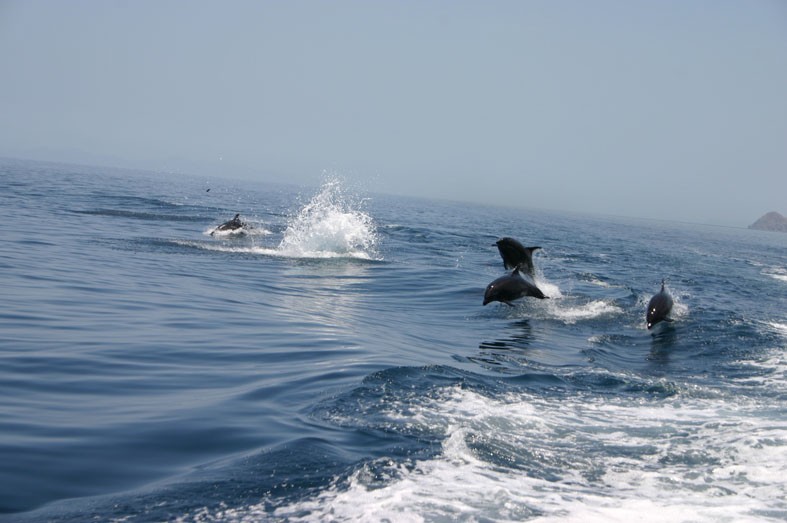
(662,342)
(520,338)
(506,352)
(323,296)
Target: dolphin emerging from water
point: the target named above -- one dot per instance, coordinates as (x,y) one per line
(659,307)
(231,225)
(516,256)
(511,287)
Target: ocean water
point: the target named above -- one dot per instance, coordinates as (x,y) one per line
(336,363)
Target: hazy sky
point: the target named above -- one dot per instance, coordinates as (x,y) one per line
(662,109)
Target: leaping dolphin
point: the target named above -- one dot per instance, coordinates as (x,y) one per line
(511,287)
(659,307)
(515,255)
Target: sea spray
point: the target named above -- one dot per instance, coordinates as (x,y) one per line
(329,226)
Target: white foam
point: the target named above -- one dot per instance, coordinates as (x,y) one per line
(558,307)
(593,279)
(223,234)
(772,365)
(777,273)
(679,309)
(217,247)
(603,459)
(271,251)
(779,328)
(591,310)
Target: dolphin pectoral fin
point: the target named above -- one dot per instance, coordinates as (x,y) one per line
(670,320)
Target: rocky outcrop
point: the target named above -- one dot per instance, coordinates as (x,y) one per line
(772,221)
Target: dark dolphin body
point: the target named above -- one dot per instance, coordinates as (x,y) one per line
(659,308)
(515,255)
(231,225)
(511,287)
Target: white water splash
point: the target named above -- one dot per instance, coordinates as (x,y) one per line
(329,227)
(588,311)
(557,307)
(781,328)
(548,288)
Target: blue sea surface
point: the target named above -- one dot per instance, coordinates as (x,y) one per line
(334,362)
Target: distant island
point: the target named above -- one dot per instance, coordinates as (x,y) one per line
(772,221)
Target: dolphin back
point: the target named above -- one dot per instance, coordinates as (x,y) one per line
(516,256)
(511,287)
